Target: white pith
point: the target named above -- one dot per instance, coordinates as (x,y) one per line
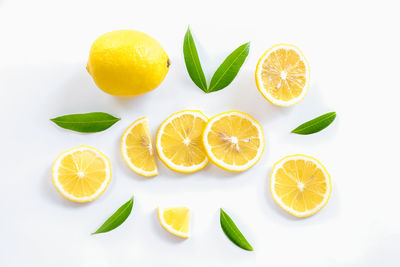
(56,166)
(161,154)
(306,213)
(307,75)
(222,163)
(124,150)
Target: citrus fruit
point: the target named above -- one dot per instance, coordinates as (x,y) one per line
(283,75)
(137,149)
(300,185)
(81,174)
(127,63)
(179,143)
(175,220)
(233,141)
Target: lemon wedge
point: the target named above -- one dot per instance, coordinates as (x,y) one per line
(283,75)
(179,143)
(300,185)
(137,149)
(175,220)
(81,174)
(233,141)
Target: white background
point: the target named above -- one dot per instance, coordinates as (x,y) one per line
(353,50)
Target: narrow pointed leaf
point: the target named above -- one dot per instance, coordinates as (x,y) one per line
(232,232)
(86,122)
(228,70)
(192,62)
(316,125)
(117,218)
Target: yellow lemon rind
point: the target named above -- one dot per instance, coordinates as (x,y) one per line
(125,156)
(259,83)
(169,228)
(82,199)
(164,159)
(220,163)
(279,164)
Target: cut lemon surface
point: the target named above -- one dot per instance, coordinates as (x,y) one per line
(175,220)
(300,185)
(81,174)
(137,149)
(233,141)
(179,143)
(283,75)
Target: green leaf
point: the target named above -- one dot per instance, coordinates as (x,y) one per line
(232,232)
(228,70)
(86,122)
(192,61)
(117,218)
(316,125)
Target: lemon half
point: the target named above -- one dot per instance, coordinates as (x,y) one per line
(283,75)
(81,174)
(233,141)
(300,185)
(179,143)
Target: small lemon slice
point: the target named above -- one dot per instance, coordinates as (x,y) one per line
(137,149)
(283,75)
(300,185)
(234,141)
(81,174)
(179,143)
(175,220)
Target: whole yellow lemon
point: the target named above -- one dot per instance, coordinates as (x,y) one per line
(127,63)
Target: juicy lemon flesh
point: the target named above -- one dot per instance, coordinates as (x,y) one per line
(127,63)
(177,218)
(284,74)
(139,148)
(301,185)
(81,173)
(181,140)
(234,140)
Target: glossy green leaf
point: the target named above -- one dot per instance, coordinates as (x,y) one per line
(86,122)
(117,218)
(316,125)
(232,232)
(192,62)
(228,70)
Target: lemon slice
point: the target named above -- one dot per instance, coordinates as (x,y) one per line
(300,185)
(137,149)
(175,220)
(234,141)
(283,75)
(81,174)
(179,143)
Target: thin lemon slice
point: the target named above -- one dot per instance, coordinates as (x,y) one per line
(283,75)
(137,149)
(234,141)
(81,174)
(179,143)
(175,220)
(300,185)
